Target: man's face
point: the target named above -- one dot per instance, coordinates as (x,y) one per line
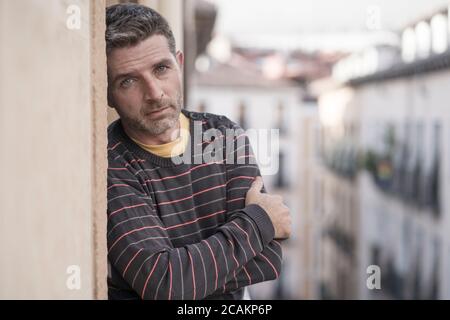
(144,85)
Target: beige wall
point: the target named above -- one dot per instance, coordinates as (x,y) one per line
(53,159)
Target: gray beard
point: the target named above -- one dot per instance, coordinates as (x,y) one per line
(157,127)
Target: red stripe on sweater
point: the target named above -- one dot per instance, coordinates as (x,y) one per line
(195,220)
(124,208)
(131,260)
(184,173)
(148,278)
(167,228)
(193,275)
(248,276)
(191,196)
(235,260)
(274,270)
(118,185)
(246,234)
(113,147)
(241,177)
(134,160)
(170,286)
(215,263)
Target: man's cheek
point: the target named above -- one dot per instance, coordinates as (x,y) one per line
(126,102)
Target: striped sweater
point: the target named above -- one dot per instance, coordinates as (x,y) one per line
(182,230)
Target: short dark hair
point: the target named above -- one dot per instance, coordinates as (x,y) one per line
(128,24)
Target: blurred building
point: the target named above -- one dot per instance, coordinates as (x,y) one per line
(385,168)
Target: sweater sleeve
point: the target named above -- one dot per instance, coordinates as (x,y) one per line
(241,171)
(140,250)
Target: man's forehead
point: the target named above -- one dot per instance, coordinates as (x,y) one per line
(150,50)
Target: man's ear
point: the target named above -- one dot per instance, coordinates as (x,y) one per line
(180,59)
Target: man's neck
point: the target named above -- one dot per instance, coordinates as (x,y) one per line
(167,136)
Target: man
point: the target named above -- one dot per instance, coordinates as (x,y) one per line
(178,229)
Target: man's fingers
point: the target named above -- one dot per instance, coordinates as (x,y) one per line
(257,185)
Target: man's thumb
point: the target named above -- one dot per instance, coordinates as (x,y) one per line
(257,185)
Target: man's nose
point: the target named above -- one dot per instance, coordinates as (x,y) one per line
(152,90)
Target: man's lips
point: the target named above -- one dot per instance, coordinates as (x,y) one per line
(156,112)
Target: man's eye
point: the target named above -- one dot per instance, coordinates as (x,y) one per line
(127,82)
(161,69)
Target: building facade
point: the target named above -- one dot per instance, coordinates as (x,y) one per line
(386,172)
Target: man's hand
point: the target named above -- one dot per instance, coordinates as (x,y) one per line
(274,206)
